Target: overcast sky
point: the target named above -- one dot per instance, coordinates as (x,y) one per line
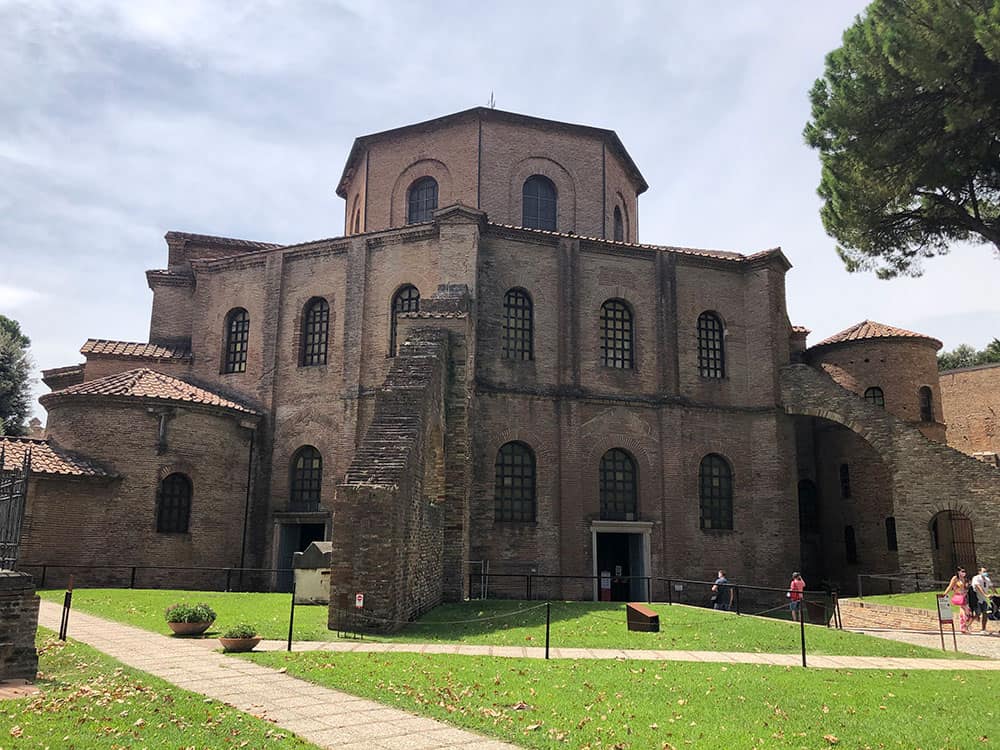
(120,121)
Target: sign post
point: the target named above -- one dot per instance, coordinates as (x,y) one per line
(945,617)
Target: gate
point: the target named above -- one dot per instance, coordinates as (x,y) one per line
(954,543)
(13,491)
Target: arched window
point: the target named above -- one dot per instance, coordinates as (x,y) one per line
(518,325)
(422,200)
(619,226)
(307,479)
(926,404)
(850,546)
(616,335)
(173,504)
(845,481)
(891,543)
(538,203)
(514,490)
(407,299)
(619,486)
(357,221)
(715,492)
(875,397)
(711,349)
(315,332)
(808,508)
(237,338)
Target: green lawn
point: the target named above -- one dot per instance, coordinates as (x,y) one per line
(574,624)
(89,700)
(631,705)
(922,600)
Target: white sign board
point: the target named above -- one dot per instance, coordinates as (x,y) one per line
(944,609)
(359,601)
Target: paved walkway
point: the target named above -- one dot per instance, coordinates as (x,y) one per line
(327,718)
(980,645)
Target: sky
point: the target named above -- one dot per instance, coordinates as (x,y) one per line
(120,121)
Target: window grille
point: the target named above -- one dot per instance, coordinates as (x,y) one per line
(407,299)
(711,348)
(514,490)
(875,397)
(173,511)
(616,335)
(518,325)
(715,480)
(619,486)
(538,203)
(307,479)
(237,339)
(422,200)
(315,332)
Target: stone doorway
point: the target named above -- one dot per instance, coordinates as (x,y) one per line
(953,544)
(292,538)
(621,553)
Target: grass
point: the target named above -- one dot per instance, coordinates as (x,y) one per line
(665,705)
(922,600)
(574,624)
(89,700)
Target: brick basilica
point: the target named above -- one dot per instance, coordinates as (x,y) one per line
(488,366)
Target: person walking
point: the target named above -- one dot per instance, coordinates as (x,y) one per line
(983,587)
(795,589)
(958,589)
(722,593)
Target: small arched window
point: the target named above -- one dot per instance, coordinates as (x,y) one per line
(845,481)
(808,508)
(711,346)
(357,221)
(173,504)
(875,397)
(619,486)
(891,542)
(538,203)
(407,299)
(307,479)
(617,344)
(619,225)
(514,489)
(518,325)
(422,200)
(715,492)
(926,404)
(850,546)
(237,339)
(315,332)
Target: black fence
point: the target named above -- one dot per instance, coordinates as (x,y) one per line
(878,584)
(256,580)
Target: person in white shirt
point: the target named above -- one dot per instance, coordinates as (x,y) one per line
(983,587)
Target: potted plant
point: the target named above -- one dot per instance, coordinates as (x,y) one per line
(240,638)
(189,619)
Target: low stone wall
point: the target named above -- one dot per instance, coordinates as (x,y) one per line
(18,623)
(855,613)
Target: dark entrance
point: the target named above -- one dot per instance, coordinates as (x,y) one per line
(295,537)
(953,544)
(621,556)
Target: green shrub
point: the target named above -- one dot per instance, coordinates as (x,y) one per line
(243,630)
(182,612)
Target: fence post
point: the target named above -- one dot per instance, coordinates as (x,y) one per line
(670,592)
(649,589)
(736,591)
(229,573)
(802,630)
(67,603)
(42,584)
(548,621)
(527,587)
(291,616)
(860,593)
(131,582)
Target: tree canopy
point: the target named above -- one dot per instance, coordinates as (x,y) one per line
(15,380)
(964,355)
(907,122)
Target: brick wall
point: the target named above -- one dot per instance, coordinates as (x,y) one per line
(18,624)
(970,398)
(859,614)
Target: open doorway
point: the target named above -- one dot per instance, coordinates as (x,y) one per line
(292,538)
(953,544)
(621,557)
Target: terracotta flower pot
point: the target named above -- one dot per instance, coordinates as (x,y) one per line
(239,645)
(189,628)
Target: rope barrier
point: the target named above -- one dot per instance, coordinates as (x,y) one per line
(373,618)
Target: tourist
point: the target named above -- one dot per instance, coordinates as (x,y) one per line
(722,593)
(958,589)
(983,587)
(795,589)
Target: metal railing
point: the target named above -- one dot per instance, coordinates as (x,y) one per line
(50,575)
(897,583)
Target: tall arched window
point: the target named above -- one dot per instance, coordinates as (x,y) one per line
(619,225)
(518,325)
(711,346)
(926,404)
(407,299)
(619,486)
(315,332)
(875,397)
(845,481)
(421,200)
(850,546)
(357,221)
(538,203)
(306,479)
(514,489)
(808,508)
(891,542)
(617,348)
(715,492)
(173,504)
(237,338)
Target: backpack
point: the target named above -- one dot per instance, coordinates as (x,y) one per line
(971,598)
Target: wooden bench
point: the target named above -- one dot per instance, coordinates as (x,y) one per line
(641,617)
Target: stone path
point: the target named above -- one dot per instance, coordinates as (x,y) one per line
(327,718)
(980,645)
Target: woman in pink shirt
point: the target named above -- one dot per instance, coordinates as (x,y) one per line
(795,589)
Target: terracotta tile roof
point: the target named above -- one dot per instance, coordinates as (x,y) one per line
(869,329)
(209,239)
(107,347)
(47,458)
(149,384)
